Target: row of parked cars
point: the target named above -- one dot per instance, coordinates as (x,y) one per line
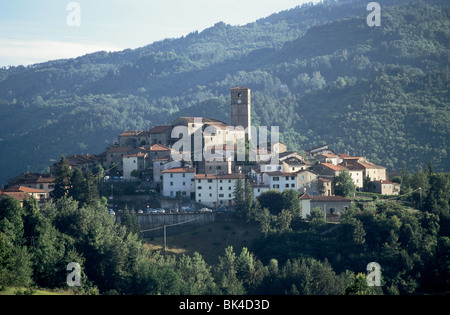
(161,210)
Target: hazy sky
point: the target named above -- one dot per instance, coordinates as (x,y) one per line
(34,31)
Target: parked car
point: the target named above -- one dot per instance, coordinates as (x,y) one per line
(140,211)
(160,210)
(148,210)
(205,210)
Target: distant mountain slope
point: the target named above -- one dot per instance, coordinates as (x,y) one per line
(317,71)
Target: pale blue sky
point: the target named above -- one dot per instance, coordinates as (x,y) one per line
(34,31)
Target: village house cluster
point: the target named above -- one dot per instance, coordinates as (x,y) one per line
(148,156)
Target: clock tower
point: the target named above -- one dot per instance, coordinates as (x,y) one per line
(241,107)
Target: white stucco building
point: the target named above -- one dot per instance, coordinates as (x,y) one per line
(215,190)
(178,182)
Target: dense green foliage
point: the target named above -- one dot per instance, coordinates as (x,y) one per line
(411,245)
(292,257)
(317,71)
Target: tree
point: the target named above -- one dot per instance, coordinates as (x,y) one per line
(317,217)
(195,276)
(227,279)
(63,175)
(359,286)
(366,183)
(283,221)
(343,185)
(78,186)
(272,200)
(291,202)
(91,188)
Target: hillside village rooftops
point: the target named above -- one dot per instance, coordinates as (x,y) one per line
(179,170)
(31,178)
(130,133)
(159,147)
(318,148)
(14,194)
(24,189)
(160,129)
(328,155)
(362,166)
(334,167)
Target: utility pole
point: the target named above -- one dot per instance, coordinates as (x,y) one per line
(165,238)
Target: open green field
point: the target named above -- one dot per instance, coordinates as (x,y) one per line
(20,291)
(209,240)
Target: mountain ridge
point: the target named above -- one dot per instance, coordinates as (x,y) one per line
(80,105)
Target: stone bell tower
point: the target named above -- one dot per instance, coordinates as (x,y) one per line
(241,107)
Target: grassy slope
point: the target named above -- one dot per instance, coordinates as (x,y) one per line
(209,240)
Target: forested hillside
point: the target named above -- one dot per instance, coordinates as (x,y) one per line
(317,71)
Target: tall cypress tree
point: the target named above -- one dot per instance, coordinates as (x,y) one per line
(63,176)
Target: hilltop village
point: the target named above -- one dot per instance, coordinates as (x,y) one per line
(148,156)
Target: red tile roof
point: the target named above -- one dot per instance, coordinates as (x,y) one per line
(159,147)
(334,167)
(24,190)
(160,129)
(130,133)
(179,170)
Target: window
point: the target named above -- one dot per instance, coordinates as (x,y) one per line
(210,187)
(184,175)
(209,180)
(221,195)
(221,188)
(184,184)
(171,183)
(199,187)
(210,195)
(275,179)
(292,185)
(171,175)
(287,185)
